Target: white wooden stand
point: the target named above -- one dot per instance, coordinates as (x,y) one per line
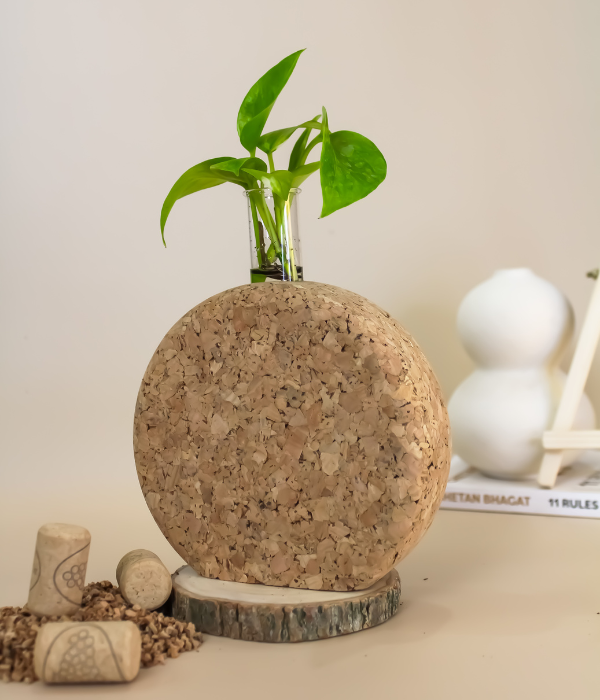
(561,437)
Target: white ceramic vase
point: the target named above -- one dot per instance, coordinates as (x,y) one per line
(516,326)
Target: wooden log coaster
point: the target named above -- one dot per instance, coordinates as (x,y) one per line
(258,613)
(291,434)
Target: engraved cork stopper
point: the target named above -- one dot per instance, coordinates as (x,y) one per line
(58,574)
(143,579)
(87,652)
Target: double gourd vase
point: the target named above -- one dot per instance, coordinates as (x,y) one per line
(291,433)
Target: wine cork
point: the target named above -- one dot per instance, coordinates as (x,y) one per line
(87,652)
(58,574)
(143,579)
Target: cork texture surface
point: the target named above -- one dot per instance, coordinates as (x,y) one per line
(291,434)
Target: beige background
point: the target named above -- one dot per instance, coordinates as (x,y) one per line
(487,113)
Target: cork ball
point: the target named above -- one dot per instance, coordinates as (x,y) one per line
(291,434)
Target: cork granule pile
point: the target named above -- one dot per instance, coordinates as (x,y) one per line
(162,636)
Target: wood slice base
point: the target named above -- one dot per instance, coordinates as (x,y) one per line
(259,613)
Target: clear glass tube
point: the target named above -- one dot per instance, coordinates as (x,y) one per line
(274,238)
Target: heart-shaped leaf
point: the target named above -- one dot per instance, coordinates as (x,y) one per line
(312,124)
(270,142)
(351,168)
(259,101)
(200,177)
(235,164)
(304,171)
(279,182)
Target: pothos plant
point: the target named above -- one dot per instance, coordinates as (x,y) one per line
(350,166)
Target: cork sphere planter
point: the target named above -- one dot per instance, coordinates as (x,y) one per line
(291,434)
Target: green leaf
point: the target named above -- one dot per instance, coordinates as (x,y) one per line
(259,101)
(200,177)
(351,168)
(304,171)
(235,164)
(279,182)
(312,124)
(298,149)
(269,143)
(298,155)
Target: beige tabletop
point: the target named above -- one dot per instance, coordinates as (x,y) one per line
(493,607)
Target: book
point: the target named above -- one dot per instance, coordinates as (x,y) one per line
(576,494)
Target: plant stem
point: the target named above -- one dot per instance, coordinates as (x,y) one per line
(287,248)
(271,163)
(279,227)
(260,251)
(287,217)
(282,245)
(267,219)
(271,254)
